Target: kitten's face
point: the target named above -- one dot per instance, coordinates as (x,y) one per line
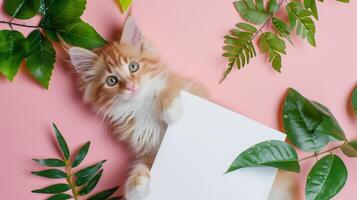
(119,72)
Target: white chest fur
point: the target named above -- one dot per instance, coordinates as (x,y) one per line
(148,130)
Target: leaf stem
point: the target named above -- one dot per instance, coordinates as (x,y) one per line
(267,21)
(322,152)
(70,180)
(10,23)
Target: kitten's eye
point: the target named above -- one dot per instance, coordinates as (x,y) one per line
(111,81)
(133,66)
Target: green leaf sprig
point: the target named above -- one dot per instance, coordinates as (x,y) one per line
(256,12)
(79,183)
(60,20)
(310,126)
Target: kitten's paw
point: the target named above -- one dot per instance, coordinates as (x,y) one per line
(138,187)
(174,112)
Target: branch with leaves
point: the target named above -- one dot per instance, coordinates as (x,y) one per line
(239,48)
(79,183)
(310,126)
(61,21)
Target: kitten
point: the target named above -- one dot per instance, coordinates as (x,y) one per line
(127,84)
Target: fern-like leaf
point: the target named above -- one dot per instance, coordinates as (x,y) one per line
(239,48)
(311,4)
(281,28)
(274,46)
(252,12)
(300,18)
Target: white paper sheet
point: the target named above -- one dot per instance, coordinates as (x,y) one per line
(200,147)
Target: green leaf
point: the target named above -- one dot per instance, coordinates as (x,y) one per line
(280,27)
(82,35)
(239,48)
(104,194)
(350,148)
(62,143)
(13,49)
(246,27)
(300,18)
(51,162)
(273,7)
(250,12)
(309,125)
(124,5)
(53,189)
(88,171)
(354,100)
(274,46)
(311,4)
(64,12)
(344,1)
(60,197)
(53,35)
(271,153)
(51,173)
(86,189)
(22,9)
(43,7)
(326,178)
(41,59)
(81,155)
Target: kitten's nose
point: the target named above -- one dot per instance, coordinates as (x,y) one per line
(130,86)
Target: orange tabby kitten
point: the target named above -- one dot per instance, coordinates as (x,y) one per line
(127,84)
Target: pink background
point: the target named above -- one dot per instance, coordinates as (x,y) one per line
(189,35)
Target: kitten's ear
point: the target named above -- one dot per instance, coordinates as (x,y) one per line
(82,60)
(131,34)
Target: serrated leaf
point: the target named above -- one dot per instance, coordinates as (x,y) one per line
(273,6)
(13,49)
(86,189)
(354,100)
(61,143)
(53,189)
(274,46)
(326,178)
(51,173)
(248,11)
(82,35)
(61,196)
(271,153)
(309,125)
(64,12)
(50,162)
(81,155)
(300,18)
(103,195)
(22,9)
(239,49)
(41,59)
(124,5)
(350,148)
(88,171)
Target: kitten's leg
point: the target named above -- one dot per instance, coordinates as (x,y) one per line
(137,186)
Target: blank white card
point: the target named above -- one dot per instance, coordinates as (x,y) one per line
(199,148)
